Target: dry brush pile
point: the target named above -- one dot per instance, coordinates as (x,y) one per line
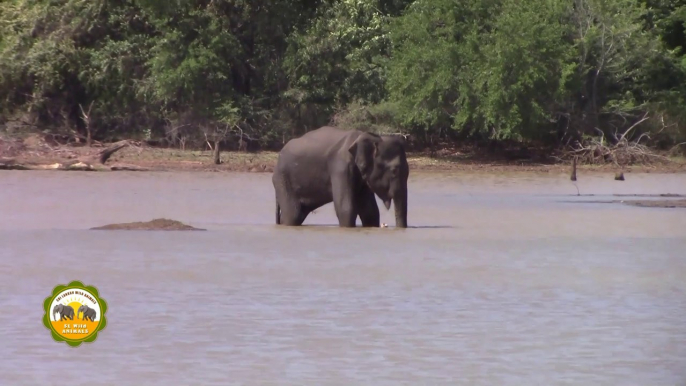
(620,152)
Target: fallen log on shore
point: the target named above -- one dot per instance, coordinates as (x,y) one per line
(95,162)
(10,164)
(128,168)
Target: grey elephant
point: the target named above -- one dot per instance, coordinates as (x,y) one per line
(88,313)
(346,167)
(66,311)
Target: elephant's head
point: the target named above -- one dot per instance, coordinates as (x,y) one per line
(56,309)
(383,165)
(83,309)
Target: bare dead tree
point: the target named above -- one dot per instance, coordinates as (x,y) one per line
(216,154)
(217,134)
(243,138)
(242,144)
(85,117)
(176,134)
(207,141)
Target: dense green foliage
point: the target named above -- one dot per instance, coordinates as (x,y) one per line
(552,71)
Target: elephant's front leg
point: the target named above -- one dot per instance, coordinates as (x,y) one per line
(369,210)
(344,202)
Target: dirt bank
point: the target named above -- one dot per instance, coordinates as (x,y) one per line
(159,224)
(34,152)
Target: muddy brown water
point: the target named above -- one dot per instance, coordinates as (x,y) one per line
(503,280)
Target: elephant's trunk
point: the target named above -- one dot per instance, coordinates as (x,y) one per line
(400,206)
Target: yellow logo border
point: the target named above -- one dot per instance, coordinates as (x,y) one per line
(75,285)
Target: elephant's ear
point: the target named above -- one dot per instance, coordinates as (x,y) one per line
(363,151)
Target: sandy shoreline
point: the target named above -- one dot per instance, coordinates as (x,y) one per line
(36,154)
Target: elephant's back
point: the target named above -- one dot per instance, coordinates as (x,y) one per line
(317,143)
(324,135)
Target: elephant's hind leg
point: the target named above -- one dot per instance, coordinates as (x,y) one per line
(293,213)
(368,209)
(288,209)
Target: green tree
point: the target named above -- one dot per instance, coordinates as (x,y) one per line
(59,57)
(340,57)
(475,67)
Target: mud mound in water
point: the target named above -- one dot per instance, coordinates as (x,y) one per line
(159,224)
(658,203)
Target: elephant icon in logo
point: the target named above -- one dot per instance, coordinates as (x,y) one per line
(65,311)
(88,313)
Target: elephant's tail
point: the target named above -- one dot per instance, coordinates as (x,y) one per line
(278,213)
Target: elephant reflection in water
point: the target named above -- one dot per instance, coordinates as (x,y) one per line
(65,311)
(88,313)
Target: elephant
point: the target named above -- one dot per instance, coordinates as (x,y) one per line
(346,167)
(66,311)
(88,313)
